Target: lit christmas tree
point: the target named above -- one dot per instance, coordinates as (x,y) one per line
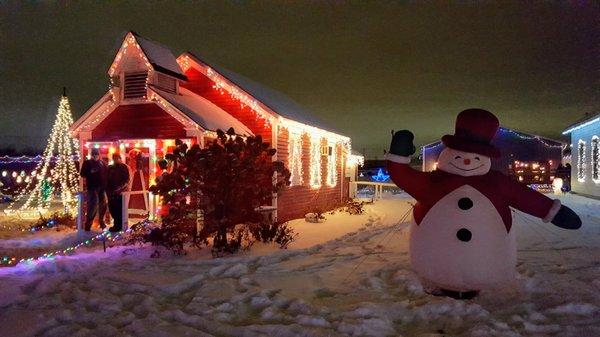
(63,178)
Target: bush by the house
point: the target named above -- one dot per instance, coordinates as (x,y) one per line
(213,194)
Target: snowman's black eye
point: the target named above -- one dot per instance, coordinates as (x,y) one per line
(457,157)
(477,158)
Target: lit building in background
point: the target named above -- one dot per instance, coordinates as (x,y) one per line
(585,155)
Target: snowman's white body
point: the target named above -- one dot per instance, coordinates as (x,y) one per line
(441,260)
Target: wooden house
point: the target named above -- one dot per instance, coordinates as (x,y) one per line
(155,98)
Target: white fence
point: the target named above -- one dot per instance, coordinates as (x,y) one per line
(378,187)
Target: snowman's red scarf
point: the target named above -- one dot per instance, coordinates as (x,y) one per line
(429,187)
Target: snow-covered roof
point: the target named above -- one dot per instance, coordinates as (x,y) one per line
(203,112)
(273,99)
(161,58)
(586,120)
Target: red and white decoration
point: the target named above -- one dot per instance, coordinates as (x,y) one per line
(462,237)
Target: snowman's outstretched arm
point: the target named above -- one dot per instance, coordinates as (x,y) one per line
(414,182)
(535,203)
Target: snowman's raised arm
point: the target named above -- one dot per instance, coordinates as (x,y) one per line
(415,183)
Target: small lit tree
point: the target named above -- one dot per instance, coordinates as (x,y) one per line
(225,183)
(62,151)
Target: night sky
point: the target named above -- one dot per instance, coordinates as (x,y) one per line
(365,67)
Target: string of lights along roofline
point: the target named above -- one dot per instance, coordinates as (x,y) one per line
(36,196)
(517,134)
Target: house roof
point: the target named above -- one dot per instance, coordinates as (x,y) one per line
(583,121)
(527,135)
(273,99)
(160,57)
(203,112)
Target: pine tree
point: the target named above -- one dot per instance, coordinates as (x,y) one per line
(63,177)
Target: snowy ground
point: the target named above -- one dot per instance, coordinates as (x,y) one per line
(348,276)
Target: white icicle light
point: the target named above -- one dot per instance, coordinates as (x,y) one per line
(315,162)
(596,159)
(295,158)
(332,165)
(581,165)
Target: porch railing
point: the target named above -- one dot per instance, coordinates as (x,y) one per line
(353,190)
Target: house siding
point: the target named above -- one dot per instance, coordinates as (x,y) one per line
(588,186)
(138,121)
(295,201)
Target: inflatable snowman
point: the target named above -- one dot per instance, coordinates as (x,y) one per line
(461,240)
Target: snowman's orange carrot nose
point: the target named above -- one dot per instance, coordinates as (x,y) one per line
(467,161)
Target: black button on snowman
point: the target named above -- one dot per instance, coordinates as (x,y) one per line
(462,239)
(465,203)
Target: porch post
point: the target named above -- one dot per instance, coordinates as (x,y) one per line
(124,212)
(84,136)
(80,212)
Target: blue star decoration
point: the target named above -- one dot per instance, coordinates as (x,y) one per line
(380,177)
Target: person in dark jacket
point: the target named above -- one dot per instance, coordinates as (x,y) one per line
(117,183)
(94,172)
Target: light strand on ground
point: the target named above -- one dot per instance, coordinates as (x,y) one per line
(13,260)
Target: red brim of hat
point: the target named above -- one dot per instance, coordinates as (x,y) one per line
(462,144)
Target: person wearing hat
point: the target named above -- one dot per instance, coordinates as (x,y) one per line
(117,183)
(461,240)
(94,172)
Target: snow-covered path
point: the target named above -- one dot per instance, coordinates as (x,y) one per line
(348,276)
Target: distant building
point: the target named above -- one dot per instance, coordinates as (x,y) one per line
(517,149)
(585,163)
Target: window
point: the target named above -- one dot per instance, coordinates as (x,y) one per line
(332,166)
(315,162)
(166,83)
(581,161)
(295,158)
(595,159)
(135,85)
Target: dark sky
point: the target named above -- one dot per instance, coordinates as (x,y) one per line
(365,67)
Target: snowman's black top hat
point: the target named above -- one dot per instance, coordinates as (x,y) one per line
(474,131)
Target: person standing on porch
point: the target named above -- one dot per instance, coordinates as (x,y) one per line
(117,183)
(94,172)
